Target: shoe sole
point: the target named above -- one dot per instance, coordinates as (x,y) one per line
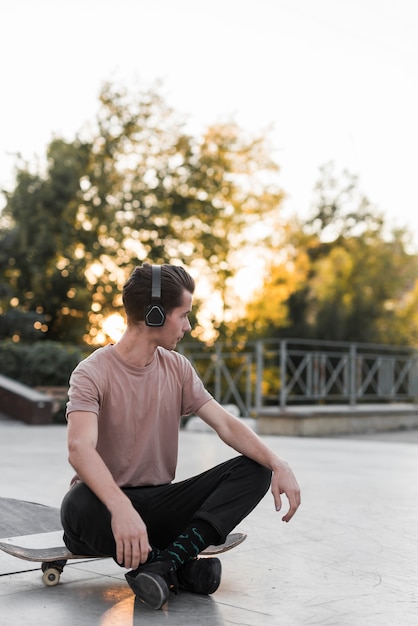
(203,582)
(151,589)
(212,582)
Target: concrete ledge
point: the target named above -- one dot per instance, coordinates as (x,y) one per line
(320,421)
(24,403)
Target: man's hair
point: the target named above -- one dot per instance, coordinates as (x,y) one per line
(136,294)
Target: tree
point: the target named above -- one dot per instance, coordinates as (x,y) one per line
(341,276)
(137,188)
(42,274)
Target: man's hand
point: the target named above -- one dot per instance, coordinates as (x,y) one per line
(284,481)
(131,536)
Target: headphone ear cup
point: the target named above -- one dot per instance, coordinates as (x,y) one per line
(154,315)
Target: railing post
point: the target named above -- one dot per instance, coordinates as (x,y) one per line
(218,382)
(258,375)
(248,389)
(283,373)
(353,374)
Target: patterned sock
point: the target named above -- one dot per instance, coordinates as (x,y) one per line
(196,537)
(154,554)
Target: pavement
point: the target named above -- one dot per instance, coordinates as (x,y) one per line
(348,558)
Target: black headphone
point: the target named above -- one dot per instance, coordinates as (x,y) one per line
(154,313)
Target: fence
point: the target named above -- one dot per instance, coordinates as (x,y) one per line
(279,372)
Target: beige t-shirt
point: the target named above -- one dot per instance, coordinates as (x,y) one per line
(139,411)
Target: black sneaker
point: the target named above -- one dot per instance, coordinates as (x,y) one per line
(151,583)
(200,575)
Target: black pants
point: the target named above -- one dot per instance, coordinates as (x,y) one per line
(223,496)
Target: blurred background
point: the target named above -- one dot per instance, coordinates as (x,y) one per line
(269,146)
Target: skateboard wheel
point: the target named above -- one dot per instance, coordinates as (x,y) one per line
(51,576)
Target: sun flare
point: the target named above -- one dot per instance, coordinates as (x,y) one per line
(114,326)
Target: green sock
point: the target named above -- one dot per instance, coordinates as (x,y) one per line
(195,538)
(154,554)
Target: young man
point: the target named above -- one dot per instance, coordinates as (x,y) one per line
(124,410)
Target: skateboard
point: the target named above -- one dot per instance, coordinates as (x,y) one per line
(41,540)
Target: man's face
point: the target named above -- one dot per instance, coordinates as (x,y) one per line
(176,324)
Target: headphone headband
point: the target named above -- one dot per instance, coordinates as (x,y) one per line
(156,282)
(154,313)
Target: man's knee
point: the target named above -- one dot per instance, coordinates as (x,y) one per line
(80,506)
(258,476)
(86,523)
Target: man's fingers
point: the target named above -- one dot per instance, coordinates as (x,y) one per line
(145,549)
(135,556)
(129,555)
(284,482)
(277,502)
(119,552)
(294,503)
(123,556)
(289,514)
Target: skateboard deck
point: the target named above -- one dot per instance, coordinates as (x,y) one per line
(61,553)
(41,540)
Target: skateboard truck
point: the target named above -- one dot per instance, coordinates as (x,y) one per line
(52,572)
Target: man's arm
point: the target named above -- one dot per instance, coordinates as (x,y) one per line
(239,436)
(129,530)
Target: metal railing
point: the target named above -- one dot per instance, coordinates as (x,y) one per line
(279,372)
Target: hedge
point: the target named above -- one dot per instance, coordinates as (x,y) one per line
(43,363)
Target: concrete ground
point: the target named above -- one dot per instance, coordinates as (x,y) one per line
(348,558)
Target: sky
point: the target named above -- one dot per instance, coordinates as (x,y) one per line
(335,80)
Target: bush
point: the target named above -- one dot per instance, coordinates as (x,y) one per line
(44,363)
(12,356)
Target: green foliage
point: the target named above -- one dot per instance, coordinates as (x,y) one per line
(340,277)
(45,363)
(139,188)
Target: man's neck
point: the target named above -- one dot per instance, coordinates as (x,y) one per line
(134,348)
